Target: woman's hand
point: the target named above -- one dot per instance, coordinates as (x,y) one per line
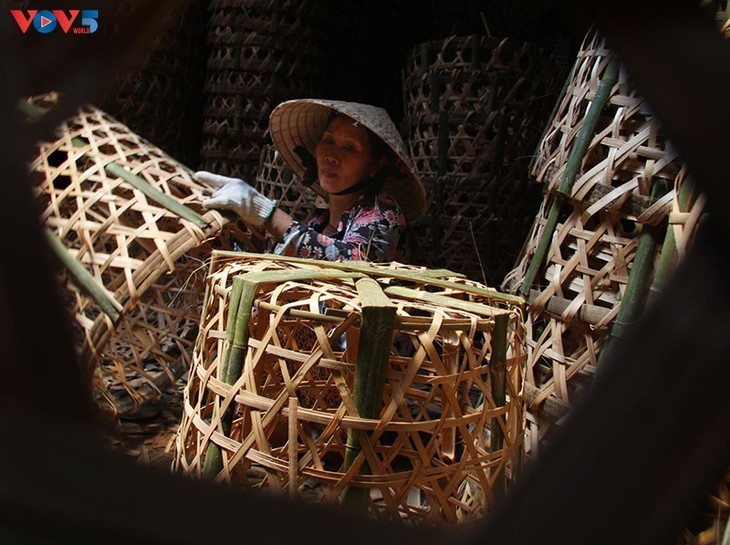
(235,194)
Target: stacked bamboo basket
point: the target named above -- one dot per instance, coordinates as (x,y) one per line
(125,221)
(390,387)
(261,52)
(277,182)
(618,211)
(474,111)
(162,100)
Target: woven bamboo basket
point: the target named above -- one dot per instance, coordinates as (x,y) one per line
(600,239)
(474,107)
(276,396)
(278,183)
(124,218)
(161,100)
(260,53)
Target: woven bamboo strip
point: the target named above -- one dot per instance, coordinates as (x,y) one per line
(160,100)
(430,442)
(260,53)
(278,183)
(473,103)
(129,219)
(591,255)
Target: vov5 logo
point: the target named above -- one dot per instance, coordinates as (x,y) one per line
(46,21)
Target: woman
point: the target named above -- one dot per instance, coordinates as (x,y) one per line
(356,154)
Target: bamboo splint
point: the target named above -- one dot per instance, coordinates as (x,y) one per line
(611,186)
(391,387)
(125,221)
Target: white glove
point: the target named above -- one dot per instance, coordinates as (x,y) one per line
(235,194)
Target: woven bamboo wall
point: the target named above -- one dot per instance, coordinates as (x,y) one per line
(475,109)
(162,99)
(261,53)
(128,216)
(629,183)
(447,437)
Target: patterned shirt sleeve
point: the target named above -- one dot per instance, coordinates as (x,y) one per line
(370,233)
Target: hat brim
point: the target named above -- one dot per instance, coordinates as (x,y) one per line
(302,122)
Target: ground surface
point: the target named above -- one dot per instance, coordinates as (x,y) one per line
(149,436)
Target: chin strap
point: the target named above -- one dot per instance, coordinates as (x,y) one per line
(375,183)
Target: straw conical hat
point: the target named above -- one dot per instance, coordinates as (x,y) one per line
(302,122)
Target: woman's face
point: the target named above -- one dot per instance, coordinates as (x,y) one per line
(344,156)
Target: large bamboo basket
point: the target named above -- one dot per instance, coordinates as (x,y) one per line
(161,100)
(474,116)
(125,220)
(261,52)
(612,182)
(276,389)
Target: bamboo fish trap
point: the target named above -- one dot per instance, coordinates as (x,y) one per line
(261,52)
(125,221)
(393,388)
(612,183)
(474,114)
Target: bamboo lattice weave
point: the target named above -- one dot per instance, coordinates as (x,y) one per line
(278,183)
(448,436)
(474,107)
(114,201)
(622,189)
(260,53)
(161,99)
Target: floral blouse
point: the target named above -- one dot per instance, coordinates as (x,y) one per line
(369,231)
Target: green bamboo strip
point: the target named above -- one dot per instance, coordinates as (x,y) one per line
(378,319)
(277,277)
(637,288)
(242,296)
(575,158)
(85,280)
(498,374)
(665,264)
(31,110)
(445,301)
(371,270)
(157,196)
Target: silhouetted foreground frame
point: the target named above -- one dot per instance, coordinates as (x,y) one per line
(630,466)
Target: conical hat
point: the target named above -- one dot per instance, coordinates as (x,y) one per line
(302,122)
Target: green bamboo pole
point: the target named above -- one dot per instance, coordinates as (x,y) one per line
(85,280)
(378,320)
(239,315)
(243,293)
(423,277)
(445,301)
(157,196)
(498,374)
(139,183)
(575,158)
(665,264)
(637,288)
